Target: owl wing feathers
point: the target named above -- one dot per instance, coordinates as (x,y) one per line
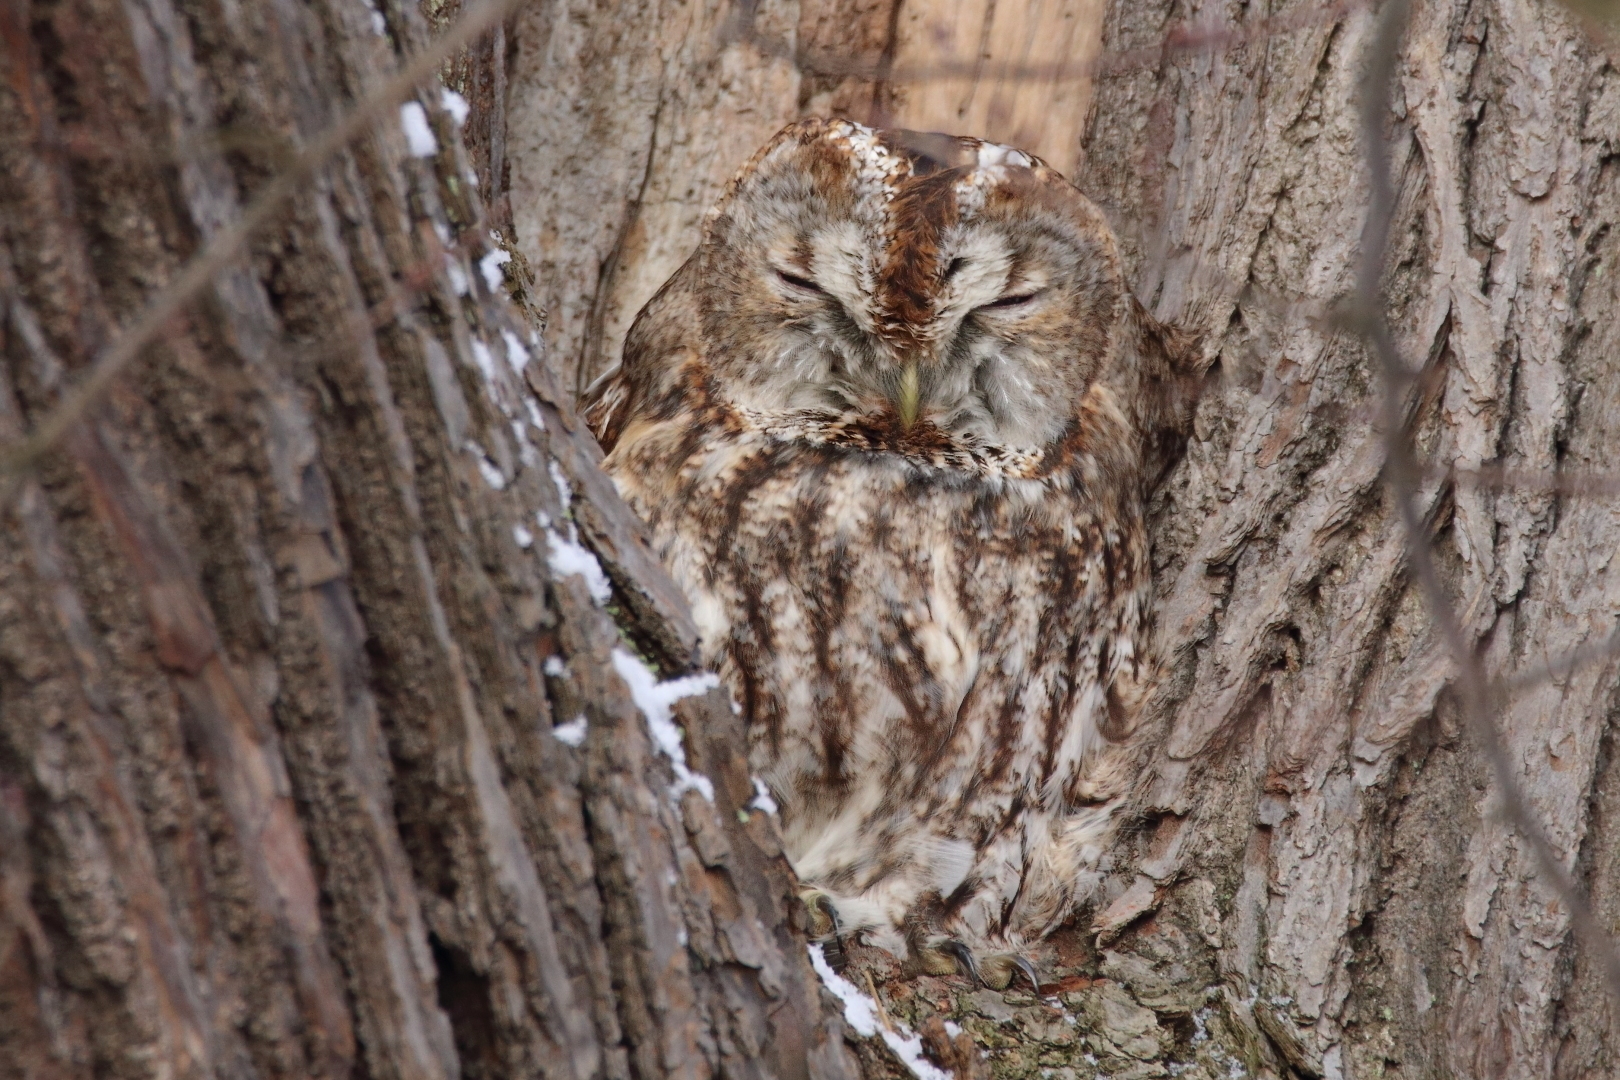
(660,347)
(1165,376)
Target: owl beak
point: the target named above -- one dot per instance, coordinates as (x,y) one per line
(910,396)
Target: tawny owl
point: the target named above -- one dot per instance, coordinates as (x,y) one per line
(893,427)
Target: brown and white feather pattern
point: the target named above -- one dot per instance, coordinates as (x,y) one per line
(892,428)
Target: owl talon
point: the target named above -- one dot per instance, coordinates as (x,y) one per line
(824,926)
(964,957)
(947,956)
(996,971)
(823,915)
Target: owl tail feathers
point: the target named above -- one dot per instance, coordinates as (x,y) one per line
(1069,870)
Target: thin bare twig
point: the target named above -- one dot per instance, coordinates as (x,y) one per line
(84,144)
(412,279)
(402,293)
(1558,667)
(1515,478)
(227,244)
(1402,473)
(1186,40)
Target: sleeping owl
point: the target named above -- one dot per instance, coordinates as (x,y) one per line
(893,427)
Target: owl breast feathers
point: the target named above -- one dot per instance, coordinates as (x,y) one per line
(893,427)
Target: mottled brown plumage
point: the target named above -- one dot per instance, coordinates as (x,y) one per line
(893,426)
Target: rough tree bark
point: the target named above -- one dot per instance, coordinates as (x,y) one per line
(288,621)
(1375,915)
(1317,882)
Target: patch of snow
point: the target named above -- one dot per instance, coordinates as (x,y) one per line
(458,276)
(418,134)
(571,733)
(490,266)
(492,472)
(535,416)
(655,700)
(877,169)
(524,538)
(516,354)
(555,666)
(762,798)
(485,360)
(567,556)
(565,490)
(861,1014)
(526,451)
(492,475)
(454,104)
(858,1009)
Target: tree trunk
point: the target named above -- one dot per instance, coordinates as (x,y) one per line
(1311,794)
(1319,881)
(322,737)
(283,643)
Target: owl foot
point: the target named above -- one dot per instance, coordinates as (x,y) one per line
(824,926)
(947,956)
(823,915)
(996,971)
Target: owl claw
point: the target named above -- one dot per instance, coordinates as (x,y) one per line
(824,926)
(964,957)
(823,915)
(996,971)
(948,956)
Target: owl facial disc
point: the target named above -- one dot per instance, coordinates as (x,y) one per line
(912,279)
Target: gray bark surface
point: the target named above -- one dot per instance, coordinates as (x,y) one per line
(625,120)
(1317,882)
(1376,916)
(283,640)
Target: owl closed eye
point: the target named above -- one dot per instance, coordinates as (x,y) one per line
(978,296)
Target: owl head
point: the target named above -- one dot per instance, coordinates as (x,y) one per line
(916,280)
